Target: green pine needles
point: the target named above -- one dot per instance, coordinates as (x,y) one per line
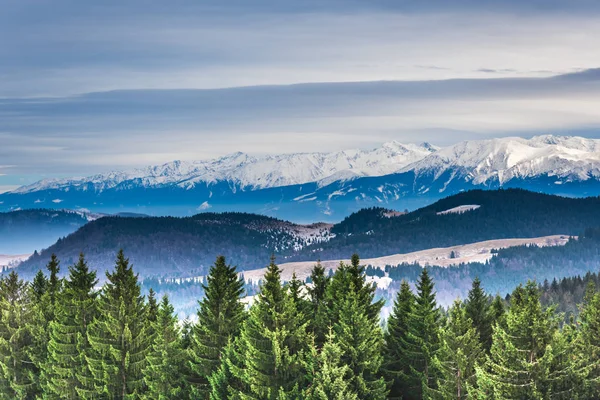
(76,337)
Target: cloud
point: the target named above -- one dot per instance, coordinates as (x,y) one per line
(68,47)
(94,86)
(121,129)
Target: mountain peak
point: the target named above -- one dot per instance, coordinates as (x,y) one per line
(503,159)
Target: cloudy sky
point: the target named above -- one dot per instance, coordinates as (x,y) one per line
(89,87)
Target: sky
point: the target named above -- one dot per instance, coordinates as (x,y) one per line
(89,87)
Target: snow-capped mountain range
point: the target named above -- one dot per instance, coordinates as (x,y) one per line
(563,157)
(305,186)
(250,172)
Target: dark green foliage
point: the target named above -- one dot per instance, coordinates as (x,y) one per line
(164,373)
(18,372)
(44,313)
(477,308)
(497,312)
(459,354)
(529,357)
(227,381)
(295,289)
(220,317)
(351,278)
(588,356)
(39,286)
(151,313)
(354,316)
(61,340)
(422,340)
(275,343)
(396,365)
(66,368)
(186,333)
(118,336)
(319,322)
(360,339)
(54,282)
(152,306)
(329,376)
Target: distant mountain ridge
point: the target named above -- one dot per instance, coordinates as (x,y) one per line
(329,186)
(183,247)
(249,172)
(27,230)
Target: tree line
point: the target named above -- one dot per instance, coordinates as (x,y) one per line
(69,339)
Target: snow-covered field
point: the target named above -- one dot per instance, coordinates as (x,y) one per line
(474,252)
(12,260)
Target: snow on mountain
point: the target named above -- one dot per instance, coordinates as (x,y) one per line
(329,185)
(459,209)
(480,161)
(246,171)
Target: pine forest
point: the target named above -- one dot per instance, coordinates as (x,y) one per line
(72,338)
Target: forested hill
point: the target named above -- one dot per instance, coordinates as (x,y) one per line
(181,247)
(170,246)
(511,213)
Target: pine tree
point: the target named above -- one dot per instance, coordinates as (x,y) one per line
(295,287)
(54,282)
(366,292)
(226,382)
(186,334)
(588,356)
(152,307)
(40,315)
(318,315)
(460,352)
(275,342)
(361,340)
(164,372)
(330,374)
(396,364)
(352,276)
(422,340)
(18,373)
(39,286)
(477,308)
(525,360)
(151,313)
(44,312)
(66,369)
(118,336)
(497,312)
(220,317)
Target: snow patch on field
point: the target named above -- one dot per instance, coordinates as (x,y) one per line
(474,252)
(460,209)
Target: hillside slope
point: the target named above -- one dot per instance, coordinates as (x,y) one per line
(502,214)
(169,246)
(181,247)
